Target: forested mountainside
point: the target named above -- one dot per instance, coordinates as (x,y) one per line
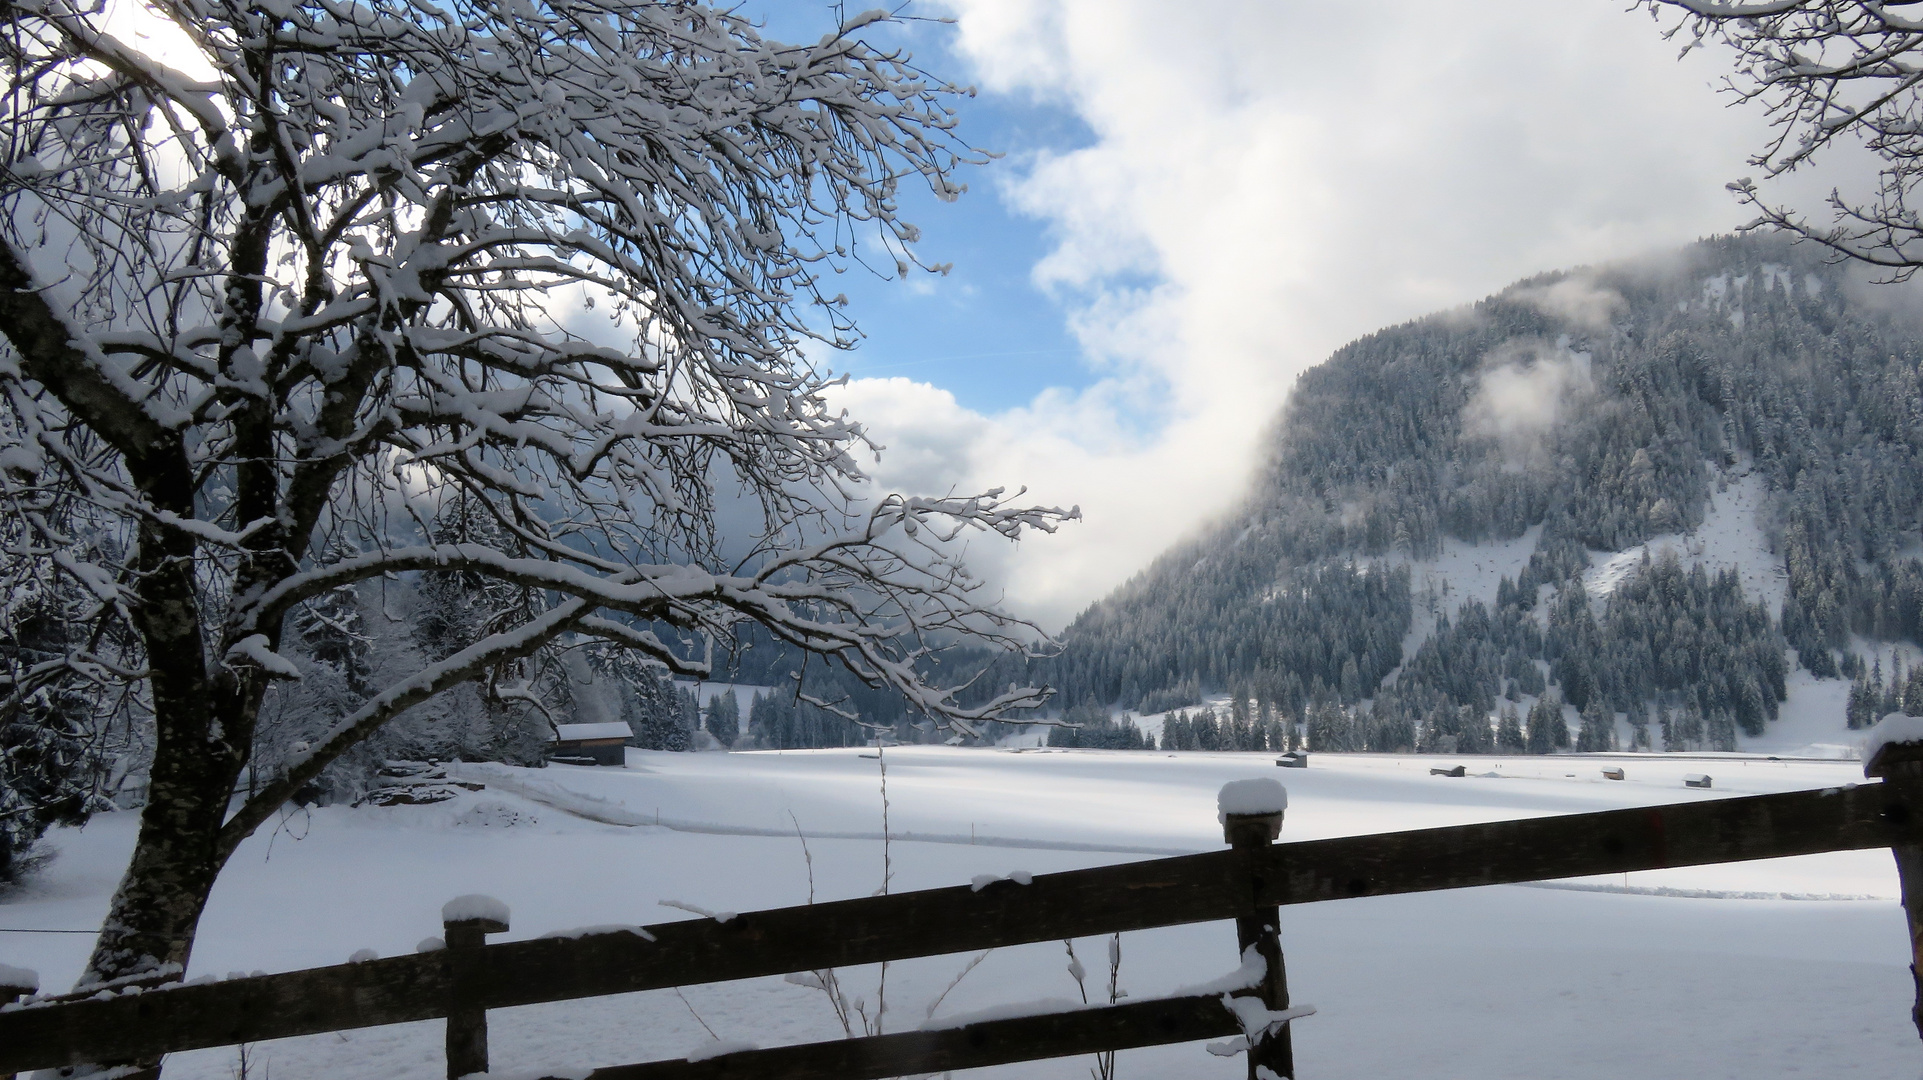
(1591,411)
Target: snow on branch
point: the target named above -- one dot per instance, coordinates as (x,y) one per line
(1824,72)
(271,306)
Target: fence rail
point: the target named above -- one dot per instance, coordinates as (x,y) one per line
(1246,884)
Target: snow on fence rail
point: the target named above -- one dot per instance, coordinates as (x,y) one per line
(1246,883)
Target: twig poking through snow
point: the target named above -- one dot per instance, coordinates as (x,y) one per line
(954,982)
(697,1017)
(887,877)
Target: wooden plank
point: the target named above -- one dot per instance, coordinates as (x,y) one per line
(1610,842)
(1078,903)
(990,1042)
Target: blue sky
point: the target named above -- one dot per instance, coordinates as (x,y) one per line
(986,331)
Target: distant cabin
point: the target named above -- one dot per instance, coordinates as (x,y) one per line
(1612,774)
(590,744)
(1294,759)
(1696,779)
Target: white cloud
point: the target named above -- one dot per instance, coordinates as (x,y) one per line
(1268,181)
(1575,299)
(1525,389)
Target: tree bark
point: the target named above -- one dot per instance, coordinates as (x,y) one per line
(203,729)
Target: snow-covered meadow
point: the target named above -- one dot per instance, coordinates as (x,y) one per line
(1787,968)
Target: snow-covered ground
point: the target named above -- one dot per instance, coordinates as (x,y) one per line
(1613,980)
(1731,537)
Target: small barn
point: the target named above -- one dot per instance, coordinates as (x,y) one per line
(590,744)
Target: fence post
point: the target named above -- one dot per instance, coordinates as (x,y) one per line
(1251,816)
(16,983)
(466,922)
(1903,762)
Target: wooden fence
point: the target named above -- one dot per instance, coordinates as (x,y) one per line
(1246,883)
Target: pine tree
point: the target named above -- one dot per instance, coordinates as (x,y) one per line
(1721,730)
(1509,737)
(1472,731)
(649,703)
(723,720)
(1689,727)
(1273,737)
(1547,730)
(455,609)
(1598,730)
(1639,727)
(50,765)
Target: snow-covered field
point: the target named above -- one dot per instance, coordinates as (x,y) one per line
(1621,977)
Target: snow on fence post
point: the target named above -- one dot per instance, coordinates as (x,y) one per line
(1895,752)
(1251,815)
(466,921)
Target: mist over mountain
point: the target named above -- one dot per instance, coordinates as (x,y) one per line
(1658,494)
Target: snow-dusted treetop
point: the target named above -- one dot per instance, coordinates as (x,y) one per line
(280,277)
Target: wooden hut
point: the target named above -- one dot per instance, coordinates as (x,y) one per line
(590,744)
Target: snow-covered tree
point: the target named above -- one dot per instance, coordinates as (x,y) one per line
(1598,729)
(1828,73)
(278,281)
(51,759)
(59,686)
(649,703)
(1509,737)
(723,717)
(1546,730)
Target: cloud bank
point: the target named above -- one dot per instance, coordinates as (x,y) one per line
(1524,391)
(1267,181)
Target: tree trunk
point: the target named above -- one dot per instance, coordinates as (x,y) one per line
(204,726)
(149,932)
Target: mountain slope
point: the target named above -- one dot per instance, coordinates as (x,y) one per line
(1434,528)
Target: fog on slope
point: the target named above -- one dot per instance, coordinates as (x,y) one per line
(1679,495)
